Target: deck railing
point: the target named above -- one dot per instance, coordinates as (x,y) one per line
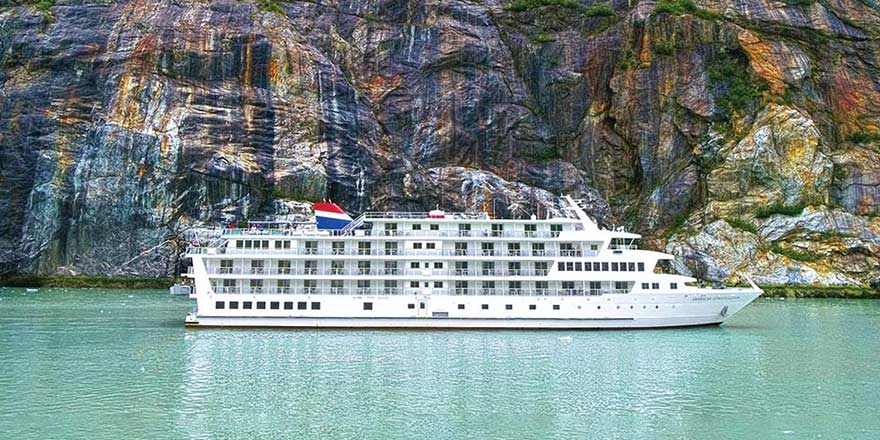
(411,292)
(399,253)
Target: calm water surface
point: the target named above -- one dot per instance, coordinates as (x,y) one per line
(118,364)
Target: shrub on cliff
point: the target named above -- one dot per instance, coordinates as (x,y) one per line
(528,5)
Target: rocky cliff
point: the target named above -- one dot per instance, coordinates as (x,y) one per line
(741,135)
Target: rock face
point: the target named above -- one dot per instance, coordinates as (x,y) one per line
(126,125)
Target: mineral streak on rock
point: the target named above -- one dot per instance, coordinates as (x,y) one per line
(128,127)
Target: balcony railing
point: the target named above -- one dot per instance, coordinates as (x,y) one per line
(381,252)
(411,291)
(377,272)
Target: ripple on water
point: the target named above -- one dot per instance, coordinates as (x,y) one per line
(794,368)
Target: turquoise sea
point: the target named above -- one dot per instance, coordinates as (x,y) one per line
(112,364)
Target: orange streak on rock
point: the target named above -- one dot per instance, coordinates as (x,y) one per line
(763,61)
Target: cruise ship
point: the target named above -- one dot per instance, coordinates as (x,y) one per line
(445,270)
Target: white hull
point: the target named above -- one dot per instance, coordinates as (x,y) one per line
(602,312)
(460,323)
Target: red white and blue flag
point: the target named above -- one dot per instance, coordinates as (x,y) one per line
(330,216)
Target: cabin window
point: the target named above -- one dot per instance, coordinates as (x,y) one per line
(488,285)
(485,306)
(225,266)
(514,267)
(555,230)
(390,267)
(309,286)
(621,286)
(363,267)
(261,305)
(311,267)
(421,305)
(541,268)
(430,245)
(283,286)
(555,306)
(438,284)
(595,287)
(488,248)
(438,265)
(508,307)
(461,307)
(435,227)
(461,248)
(461,287)
(390,226)
(513,249)
(410,306)
(594,247)
(301,305)
(288,305)
(363,284)
(368,306)
(417,245)
(673,286)
(414,265)
(417,227)
(541,286)
(316,306)
(311,247)
(233,304)
(497,229)
(364,248)
(274,305)
(530,230)
(337,267)
(645,286)
(538,249)
(391,248)
(532,307)
(641,267)
(568,285)
(414,284)
(488,268)
(655,285)
(219,305)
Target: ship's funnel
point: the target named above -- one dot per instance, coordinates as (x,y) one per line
(328,215)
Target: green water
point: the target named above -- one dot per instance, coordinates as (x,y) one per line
(114,364)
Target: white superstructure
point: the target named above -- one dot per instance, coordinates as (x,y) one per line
(440,270)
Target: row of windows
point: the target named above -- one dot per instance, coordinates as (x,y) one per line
(578,266)
(655,286)
(261,305)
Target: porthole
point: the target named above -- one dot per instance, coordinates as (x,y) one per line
(598,307)
(656,307)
